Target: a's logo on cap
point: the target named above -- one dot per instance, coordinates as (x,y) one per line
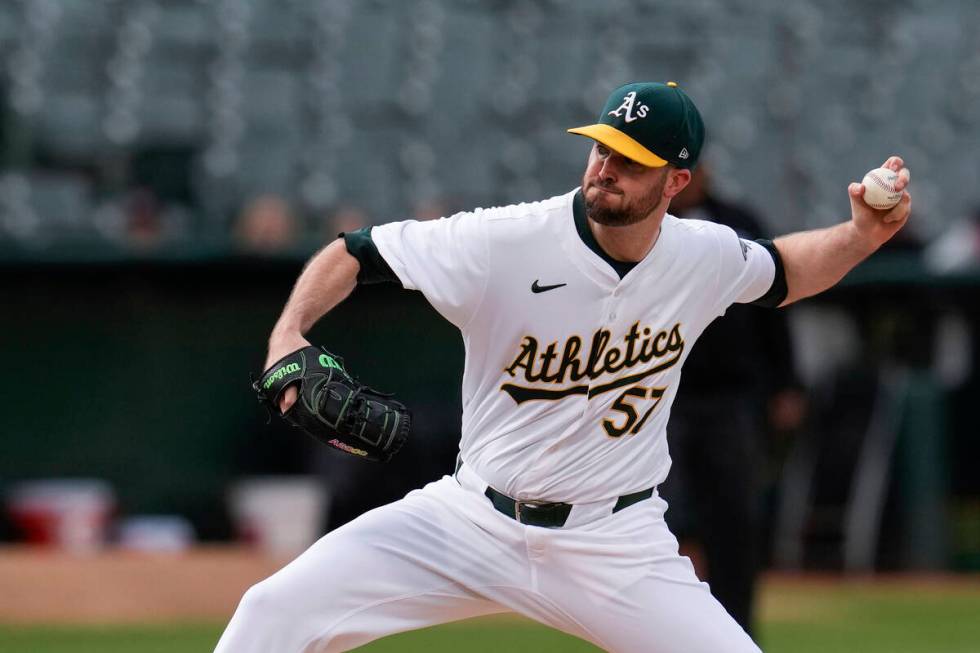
(684,153)
(628,103)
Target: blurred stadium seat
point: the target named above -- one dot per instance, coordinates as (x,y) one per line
(325,102)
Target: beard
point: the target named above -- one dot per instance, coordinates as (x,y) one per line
(630,211)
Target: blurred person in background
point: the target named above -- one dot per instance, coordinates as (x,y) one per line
(345,218)
(143,219)
(739,385)
(266,226)
(154,199)
(138,220)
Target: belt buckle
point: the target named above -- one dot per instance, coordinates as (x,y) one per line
(531,505)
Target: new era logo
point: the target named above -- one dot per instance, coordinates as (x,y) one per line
(684,154)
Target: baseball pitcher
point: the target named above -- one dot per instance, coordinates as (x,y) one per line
(577,314)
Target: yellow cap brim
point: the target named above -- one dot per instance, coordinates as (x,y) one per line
(619,142)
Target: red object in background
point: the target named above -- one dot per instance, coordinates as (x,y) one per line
(69,514)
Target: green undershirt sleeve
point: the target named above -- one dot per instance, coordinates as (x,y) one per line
(374,269)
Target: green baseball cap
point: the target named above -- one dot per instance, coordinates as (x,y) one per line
(651,123)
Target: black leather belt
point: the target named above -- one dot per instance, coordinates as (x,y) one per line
(551,515)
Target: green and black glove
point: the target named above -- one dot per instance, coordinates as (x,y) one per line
(333,407)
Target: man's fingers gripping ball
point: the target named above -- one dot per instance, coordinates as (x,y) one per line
(884,187)
(332,406)
(894,162)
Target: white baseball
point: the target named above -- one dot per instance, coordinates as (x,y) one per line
(879,188)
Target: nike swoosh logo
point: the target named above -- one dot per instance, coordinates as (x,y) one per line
(535,288)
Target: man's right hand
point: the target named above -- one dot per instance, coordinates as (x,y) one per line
(280,346)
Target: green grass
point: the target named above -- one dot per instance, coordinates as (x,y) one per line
(108,639)
(804,618)
(870,619)
(476,637)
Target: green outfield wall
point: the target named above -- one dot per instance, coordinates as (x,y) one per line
(138,373)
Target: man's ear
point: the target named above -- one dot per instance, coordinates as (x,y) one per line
(677,179)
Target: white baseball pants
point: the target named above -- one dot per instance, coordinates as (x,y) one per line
(443,553)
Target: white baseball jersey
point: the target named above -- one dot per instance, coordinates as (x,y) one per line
(570,371)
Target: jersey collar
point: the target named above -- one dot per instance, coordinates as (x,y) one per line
(657,259)
(622,268)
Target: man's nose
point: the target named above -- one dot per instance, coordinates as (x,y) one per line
(607,171)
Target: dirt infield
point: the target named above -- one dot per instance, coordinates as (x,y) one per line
(204,585)
(41,586)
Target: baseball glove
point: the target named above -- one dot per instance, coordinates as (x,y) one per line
(335,408)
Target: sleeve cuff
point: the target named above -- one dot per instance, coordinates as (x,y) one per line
(778,290)
(374,269)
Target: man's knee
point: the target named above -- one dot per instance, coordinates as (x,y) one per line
(261,622)
(263,601)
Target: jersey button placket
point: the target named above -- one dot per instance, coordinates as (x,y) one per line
(613,302)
